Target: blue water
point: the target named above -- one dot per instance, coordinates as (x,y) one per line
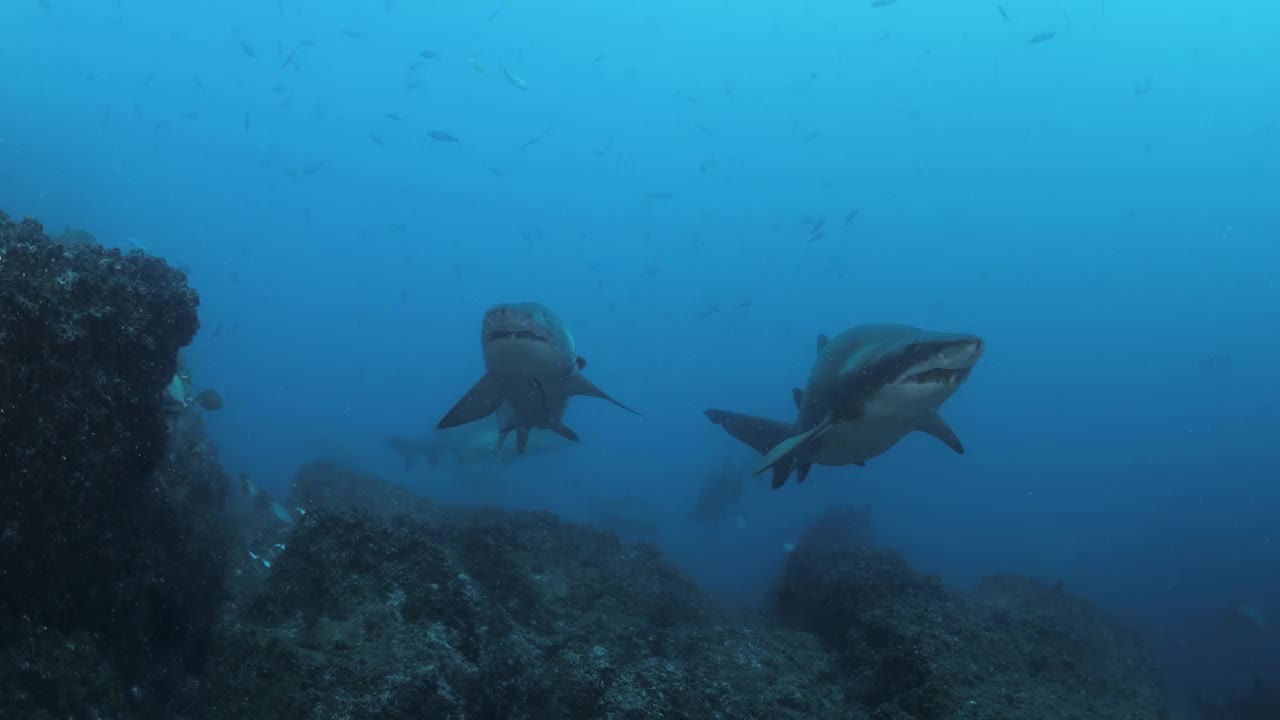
(1103,208)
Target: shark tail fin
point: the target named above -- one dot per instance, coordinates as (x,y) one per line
(760,434)
(482,399)
(934,425)
(578,384)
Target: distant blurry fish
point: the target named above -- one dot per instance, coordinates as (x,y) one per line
(881,3)
(209,400)
(494,15)
(289,58)
(47,7)
(246,122)
(248,49)
(1144,86)
(377,140)
(392,116)
(442,136)
(475,64)
(496,171)
(810,136)
(658,196)
(428,54)
(815,237)
(354,34)
(850,216)
(512,77)
(1003,14)
(1041,37)
(816,226)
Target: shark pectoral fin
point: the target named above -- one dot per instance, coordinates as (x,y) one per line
(790,445)
(522,439)
(934,425)
(798,395)
(578,384)
(482,399)
(760,434)
(563,431)
(822,343)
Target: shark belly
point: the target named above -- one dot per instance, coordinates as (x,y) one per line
(853,443)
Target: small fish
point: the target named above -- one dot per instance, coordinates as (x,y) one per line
(850,216)
(315,167)
(279,88)
(413,85)
(881,3)
(306,44)
(199,83)
(475,64)
(246,122)
(811,136)
(442,136)
(512,77)
(1144,86)
(354,34)
(658,196)
(377,140)
(815,237)
(392,116)
(289,58)
(816,226)
(248,49)
(494,15)
(428,54)
(1000,9)
(496,172)
(47,7)
(1041,37)
(209,400)
(145,83)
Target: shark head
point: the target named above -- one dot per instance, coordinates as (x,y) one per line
(910,373)
(519,338)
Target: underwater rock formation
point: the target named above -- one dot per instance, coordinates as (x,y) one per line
(905,647)
(108,568)
(488,614)
(387,605)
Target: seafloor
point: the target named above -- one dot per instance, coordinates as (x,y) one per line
(126,590)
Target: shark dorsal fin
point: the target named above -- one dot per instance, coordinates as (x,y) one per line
(798,395)
(822,343)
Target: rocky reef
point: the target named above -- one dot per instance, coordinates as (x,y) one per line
(128,588)
(108,550)
(386,605)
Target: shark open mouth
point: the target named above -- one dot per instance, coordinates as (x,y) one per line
(515,335)
(940,376)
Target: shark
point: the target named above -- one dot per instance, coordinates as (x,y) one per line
(531,366)
(473,443)
(870,386)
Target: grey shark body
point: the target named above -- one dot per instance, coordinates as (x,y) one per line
(870,386)
(531,366)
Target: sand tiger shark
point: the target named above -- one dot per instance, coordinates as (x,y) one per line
(870,386)
(532,366)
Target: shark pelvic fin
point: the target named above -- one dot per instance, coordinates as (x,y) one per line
(802,472)
(578,384)
(798,395)
(482,399)
(787,447)
(822,343)
(563,431)
(934,425)
(522,439)
(760,434)
(780,473)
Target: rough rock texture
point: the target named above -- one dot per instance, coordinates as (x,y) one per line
(907,648)
(106,550)
(491,614)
